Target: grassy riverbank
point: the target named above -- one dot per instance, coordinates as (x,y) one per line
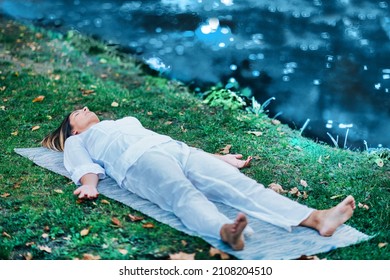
(44,75)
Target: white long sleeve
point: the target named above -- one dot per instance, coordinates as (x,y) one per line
(109,147)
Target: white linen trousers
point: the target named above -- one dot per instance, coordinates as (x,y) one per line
(186,181)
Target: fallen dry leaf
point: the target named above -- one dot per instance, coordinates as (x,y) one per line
(184,243)
(182,256)
(382,244)
(168,122)
(213,251)
(4,195)
(304,257)
(364,206)
(255,133)
(45,235)
(225,150)
(303,183)
(86,92)
(38,98)
(90,257)
(6,234)
(15,133)
(116,222)
(28,256)
(149,113)
(58,191)
(295,191)
(45,248)
(277,188)
(30,243)
(114,104)
(135,218)
(84,232)
(148,225)
(104,201)
(35,128)
(275,122)
(336,196)
(123,251)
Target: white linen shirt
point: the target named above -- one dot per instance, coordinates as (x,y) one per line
(109,147)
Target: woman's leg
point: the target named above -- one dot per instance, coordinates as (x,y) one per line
(224,183)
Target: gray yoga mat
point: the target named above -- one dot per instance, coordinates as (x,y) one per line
(268,242)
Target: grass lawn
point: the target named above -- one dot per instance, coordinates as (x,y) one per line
(44,75)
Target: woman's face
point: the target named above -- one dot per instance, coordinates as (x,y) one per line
(81,120)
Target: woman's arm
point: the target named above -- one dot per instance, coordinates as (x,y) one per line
(88,188)
(235,160)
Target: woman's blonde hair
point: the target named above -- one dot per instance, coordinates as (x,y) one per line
(55,140)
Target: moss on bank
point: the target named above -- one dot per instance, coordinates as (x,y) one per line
(38,209)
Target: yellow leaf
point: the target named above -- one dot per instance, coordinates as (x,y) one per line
(4,195)
(148,225)
(47,249)
(182,256)
(86,92)
(336,196)
(277,188)
(6,234)
(114,104)
(382,244)
(123,251)
(303,183)
(35,128)
(15,133)
(116,222)
(38,98)
(84,232)
(226,149)
(168,122)
(135,218)
(213,251)
(90,257)
(58,191)
(149,113)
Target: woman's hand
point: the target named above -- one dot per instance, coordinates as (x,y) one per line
(86,192)
(88,189)
(236,160)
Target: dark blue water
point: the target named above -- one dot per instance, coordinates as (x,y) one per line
(327,63)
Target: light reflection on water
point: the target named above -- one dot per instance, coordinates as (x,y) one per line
(324,61)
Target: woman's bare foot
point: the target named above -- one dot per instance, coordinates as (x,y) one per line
(232,233)
(327,221)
